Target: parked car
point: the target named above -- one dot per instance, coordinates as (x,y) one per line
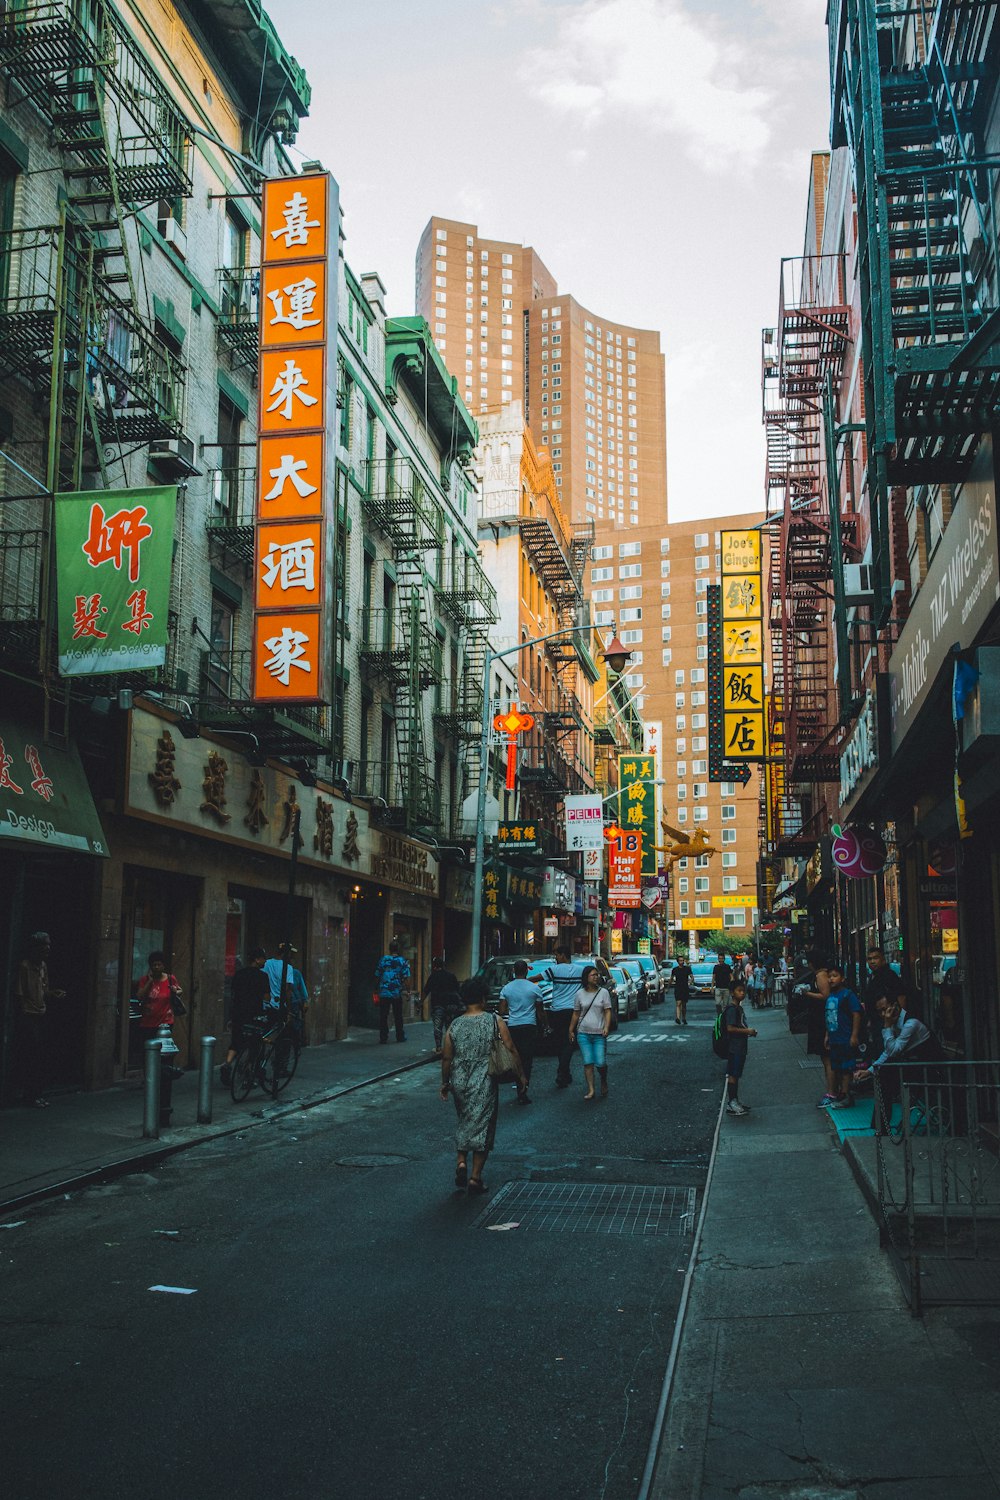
(655,988)
(639,975)
(628,993)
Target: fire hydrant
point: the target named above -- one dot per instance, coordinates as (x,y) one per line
(168,1051)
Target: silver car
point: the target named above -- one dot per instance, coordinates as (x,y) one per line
(628,998)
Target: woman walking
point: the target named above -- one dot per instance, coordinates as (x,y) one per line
(590,1026)
(465,1073)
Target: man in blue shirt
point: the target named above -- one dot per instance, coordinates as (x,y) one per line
(522,1007)
(296,995)
(565,977)
(843,1033)
(392,982)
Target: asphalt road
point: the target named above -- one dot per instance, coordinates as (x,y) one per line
(354,1331)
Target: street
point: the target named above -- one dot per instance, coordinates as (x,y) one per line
(354,1326)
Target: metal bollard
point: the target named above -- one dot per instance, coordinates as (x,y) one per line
(205,1081)
(151,1097)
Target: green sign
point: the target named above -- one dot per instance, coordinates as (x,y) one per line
(45,799)
(520,836)
(637,803)
(114,552)
(521,889)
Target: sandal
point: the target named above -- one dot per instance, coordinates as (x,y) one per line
(476,1187)
(461,1176)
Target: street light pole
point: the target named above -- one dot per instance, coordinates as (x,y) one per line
(616,656)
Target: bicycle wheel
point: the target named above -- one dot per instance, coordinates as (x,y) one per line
(285,1059)
(242,1079)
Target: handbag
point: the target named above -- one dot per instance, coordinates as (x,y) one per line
(502,1065)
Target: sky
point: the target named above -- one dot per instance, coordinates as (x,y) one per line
(654,152)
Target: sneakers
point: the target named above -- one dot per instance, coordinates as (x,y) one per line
(844,1103)
(826,1100)
(734,1107)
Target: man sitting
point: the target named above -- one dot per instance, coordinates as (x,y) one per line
(905,1040)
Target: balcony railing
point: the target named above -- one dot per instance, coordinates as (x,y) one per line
(403,796)
(231,507)
(225,702)
(397,501)
(239,313)
(22,555)
(464,592)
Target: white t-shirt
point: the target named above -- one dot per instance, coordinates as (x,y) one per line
(521,995)
(591,1005)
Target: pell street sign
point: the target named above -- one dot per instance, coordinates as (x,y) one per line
(114,550)
(584,824)
(297,384)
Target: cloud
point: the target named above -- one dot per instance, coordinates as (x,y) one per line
(650,62)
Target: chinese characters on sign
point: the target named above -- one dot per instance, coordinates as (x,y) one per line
(491,896)
(742,626)
(584,823)
(637,803)
(114,551)
(520,836)
(297,384)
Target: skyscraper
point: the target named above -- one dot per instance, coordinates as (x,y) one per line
(593,389)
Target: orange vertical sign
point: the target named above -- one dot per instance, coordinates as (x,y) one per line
(297,410)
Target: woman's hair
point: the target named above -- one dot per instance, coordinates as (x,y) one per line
(156,957)
(818,960)
(474,991)
(590,969)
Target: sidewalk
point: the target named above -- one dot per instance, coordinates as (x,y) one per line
(88,1134)
(801,1373)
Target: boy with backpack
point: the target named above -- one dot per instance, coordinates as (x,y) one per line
(730,1039)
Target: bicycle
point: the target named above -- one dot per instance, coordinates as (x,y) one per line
(268,1060)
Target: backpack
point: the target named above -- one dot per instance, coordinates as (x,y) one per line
(720,1036)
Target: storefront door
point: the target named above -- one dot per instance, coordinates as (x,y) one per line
(158,913)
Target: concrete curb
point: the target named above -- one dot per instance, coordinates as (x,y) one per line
(122,1167)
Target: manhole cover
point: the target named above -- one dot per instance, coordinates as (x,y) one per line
(372,1161)
(593,1208)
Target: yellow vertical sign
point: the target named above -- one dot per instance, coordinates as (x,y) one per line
(742,647)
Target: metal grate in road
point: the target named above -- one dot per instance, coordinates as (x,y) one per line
(593,1208)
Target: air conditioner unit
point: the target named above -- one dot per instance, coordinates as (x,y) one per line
(174,235)
(175,455)
(859,585)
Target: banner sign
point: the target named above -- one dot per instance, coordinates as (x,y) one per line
(701,924)
(584,823)
(719,769)
(297,385)
(734,901)
(114,553)
(520,836)
(625,868)
(742,647)
(637,803)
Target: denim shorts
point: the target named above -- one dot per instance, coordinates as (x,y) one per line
(735,1063)
(593,1049)
(843,1057)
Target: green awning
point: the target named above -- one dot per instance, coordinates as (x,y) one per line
(45,801)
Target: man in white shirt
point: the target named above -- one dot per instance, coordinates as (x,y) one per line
(522,1007)
(565,977)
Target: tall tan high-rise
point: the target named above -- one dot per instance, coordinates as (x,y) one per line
(593,389)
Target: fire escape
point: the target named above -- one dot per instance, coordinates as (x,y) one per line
(72,326)
(801,358)
(399,648)
(912,88)
(467,596)
(559,557)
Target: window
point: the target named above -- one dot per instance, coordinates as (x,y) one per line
(679,700)
(697,674)
(729,861)
(629,615)
(701,606)
(700,539)
(682,768)
(601,552)
(684,908)
(679,677)
(604,617)
(680,723)
(600,575)
(728,812)
(665,568)
(702,908)
(701,882)
(698,700)
(682,793)
(681,815)
(602,596)
(699,721)
(667,656)
(630,549)
(699,767)
(630,570)
(701,788)
(729,789)
(682,885)
(734,918)
(729,835)
(634,591)
(631,637)
(701,863)
(701,813)
(699,743)
(665,632)
(730,883)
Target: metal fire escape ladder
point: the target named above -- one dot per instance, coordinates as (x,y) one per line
(911,102)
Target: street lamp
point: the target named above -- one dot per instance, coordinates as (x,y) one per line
(615,657)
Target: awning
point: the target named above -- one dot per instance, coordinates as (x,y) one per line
(45,801)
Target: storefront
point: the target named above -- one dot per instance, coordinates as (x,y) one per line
(395,904)
(52,845)
(200,845)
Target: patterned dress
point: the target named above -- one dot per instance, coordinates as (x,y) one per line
(476,1095)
